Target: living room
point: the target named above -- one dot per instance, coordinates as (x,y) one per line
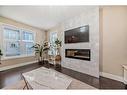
(86,43)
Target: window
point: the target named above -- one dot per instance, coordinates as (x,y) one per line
(12,42)
(17,42)
(28,42)
(53,37)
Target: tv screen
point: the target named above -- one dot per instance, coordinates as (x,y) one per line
(80,34)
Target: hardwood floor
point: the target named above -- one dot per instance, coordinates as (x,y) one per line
(11,76)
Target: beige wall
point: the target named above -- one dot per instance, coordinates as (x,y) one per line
(113,39)
(40,36)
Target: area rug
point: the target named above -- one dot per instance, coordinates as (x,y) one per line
(76,84)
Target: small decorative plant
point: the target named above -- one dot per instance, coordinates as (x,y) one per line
(40,50)
(1,54)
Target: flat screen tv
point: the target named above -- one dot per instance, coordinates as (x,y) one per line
(77,35)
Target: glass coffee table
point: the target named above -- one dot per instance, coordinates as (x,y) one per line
(44,78)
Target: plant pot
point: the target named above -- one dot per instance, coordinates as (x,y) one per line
(43,62)
(40,62)
(57,61)
(58,58)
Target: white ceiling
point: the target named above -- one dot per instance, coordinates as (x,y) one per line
(43,17)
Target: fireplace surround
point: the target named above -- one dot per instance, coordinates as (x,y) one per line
(83,54)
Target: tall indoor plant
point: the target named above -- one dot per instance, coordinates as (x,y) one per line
(41,51)
(58,44)
(1,54)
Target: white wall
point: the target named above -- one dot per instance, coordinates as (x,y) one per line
(89,17)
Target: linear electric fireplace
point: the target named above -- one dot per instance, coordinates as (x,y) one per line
(83,54)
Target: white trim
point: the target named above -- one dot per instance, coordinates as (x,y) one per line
(111,76)
(16,65)
(20,56)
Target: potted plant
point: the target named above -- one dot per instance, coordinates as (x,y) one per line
(58,56)
(1,54)
(40,51)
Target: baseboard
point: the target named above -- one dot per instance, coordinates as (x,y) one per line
(16,65)
(111,76)
(80,71)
